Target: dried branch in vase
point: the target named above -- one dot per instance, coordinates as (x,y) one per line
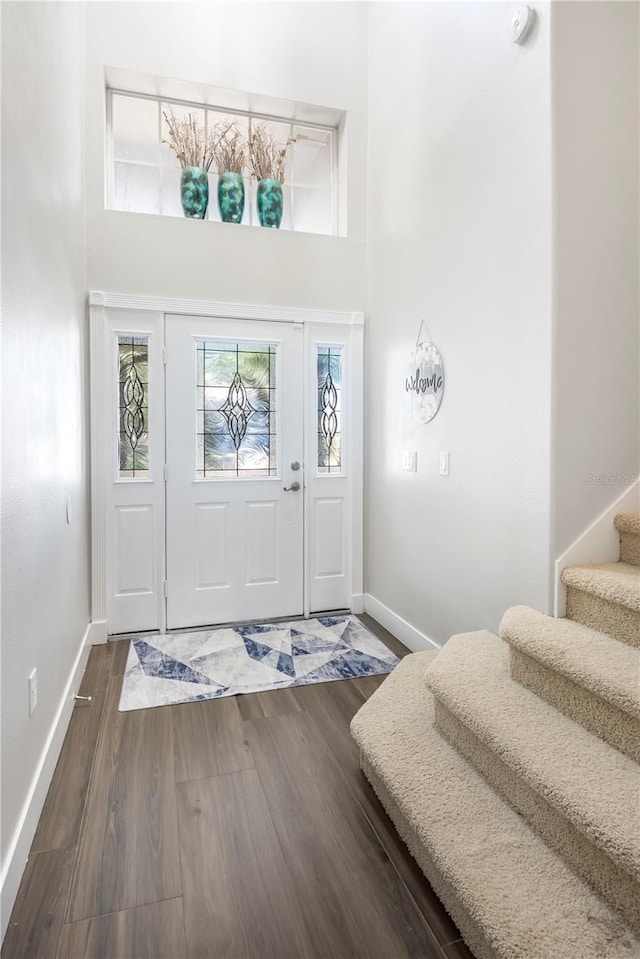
(268,158)
(188,142)
(229,149)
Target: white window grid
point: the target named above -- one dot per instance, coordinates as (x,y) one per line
(164,167)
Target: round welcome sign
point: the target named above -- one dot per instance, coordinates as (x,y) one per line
(425,382)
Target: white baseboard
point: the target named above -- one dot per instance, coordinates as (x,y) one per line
(98,632)
(401,629)
(18,852)
(598,544)
(357,603)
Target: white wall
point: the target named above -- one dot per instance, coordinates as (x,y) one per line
(308,52)
(460,235)
(45,602)
(597,404)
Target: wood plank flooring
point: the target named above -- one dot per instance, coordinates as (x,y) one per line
(61,817)
(128,849)
(239,828)
(155,931)
(38,915)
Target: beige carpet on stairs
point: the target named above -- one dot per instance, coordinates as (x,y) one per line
(589,676)
(511,896)
(605,597)
(628,526)
(580,794)
(511,770)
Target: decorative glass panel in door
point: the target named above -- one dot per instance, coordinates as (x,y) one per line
(329,409)
(235,409)
(234,427)
(133,406)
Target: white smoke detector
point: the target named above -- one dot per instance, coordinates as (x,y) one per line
(522,24)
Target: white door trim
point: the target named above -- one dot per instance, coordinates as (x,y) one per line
(103,305)
(231,311)
(98,371)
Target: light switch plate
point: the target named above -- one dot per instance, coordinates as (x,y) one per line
(410,461)
(444,463)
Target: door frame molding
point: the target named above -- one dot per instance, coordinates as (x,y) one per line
(99,303)
(231,311)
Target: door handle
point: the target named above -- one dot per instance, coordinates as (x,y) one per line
(295,486)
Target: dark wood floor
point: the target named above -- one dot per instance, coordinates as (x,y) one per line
(239,828)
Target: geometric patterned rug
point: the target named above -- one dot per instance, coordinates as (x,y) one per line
(186,667)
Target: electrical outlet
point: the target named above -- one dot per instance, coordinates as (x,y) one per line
(33,691)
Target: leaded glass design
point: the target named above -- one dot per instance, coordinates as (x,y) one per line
(329,409)
(235,409)
(133,407)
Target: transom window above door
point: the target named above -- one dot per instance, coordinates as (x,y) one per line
(143,173)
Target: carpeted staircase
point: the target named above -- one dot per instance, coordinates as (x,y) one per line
(511,768)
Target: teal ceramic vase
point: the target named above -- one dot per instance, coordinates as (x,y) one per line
(231,197)
(194,192)
(270,203)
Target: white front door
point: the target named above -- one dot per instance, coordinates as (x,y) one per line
(193,442)
(234,480)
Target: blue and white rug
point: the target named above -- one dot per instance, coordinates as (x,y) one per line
(185,667)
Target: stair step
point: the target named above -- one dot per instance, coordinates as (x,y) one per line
(628,526)
(508,892)
(578,792)
(586,674)
(606,598)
